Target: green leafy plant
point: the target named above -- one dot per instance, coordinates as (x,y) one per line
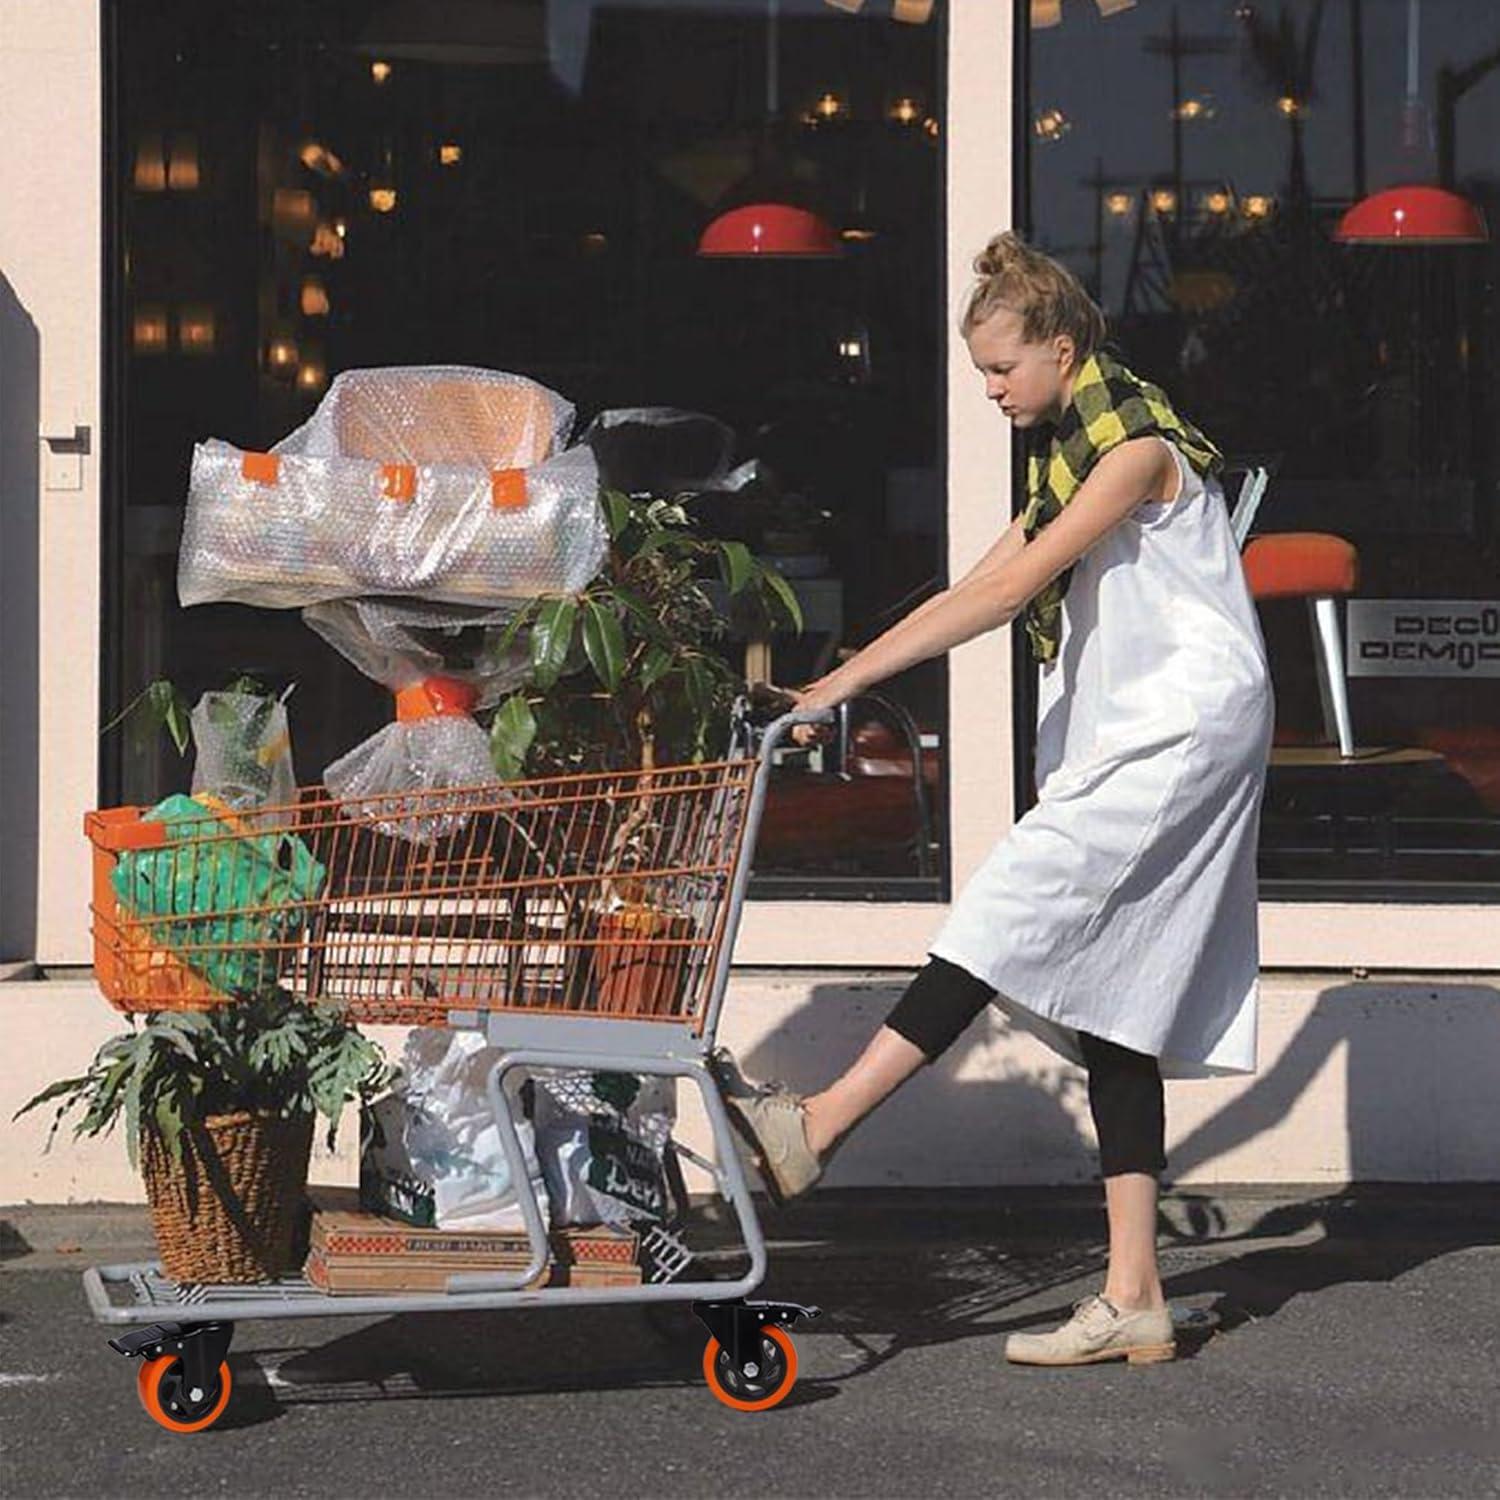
(624,674)
(272,1054)
(163,705)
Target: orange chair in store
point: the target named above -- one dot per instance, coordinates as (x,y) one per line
(1312,565)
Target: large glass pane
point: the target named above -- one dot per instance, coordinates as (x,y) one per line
(523,185)
(1194,163)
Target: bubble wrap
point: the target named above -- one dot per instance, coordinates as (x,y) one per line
(415,756)
(243,751)
(398,642)
(404,481)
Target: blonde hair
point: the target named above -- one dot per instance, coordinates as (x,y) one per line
(1043,293)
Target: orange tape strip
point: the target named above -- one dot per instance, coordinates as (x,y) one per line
(398,481)
(508,489)
(263,468)
(435,698)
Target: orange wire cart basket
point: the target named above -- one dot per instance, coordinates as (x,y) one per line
(581,922)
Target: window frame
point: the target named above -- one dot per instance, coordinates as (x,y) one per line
(980,131)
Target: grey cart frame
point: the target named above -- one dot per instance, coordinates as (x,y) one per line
(132,1293)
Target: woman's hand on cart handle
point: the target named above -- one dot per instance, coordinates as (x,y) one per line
(827,692)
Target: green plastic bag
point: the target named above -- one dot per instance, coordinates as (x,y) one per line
(233,896)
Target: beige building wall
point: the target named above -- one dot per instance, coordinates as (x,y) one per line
(1376,1066)
(1388,1080)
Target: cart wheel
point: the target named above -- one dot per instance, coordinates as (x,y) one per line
(777,1375)
(160,1387)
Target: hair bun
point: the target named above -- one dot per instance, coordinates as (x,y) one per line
(1003,253)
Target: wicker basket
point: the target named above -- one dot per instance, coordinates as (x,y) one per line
(232,1210)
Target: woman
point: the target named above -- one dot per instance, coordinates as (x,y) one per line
(1117,919)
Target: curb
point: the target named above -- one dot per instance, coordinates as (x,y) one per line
(38,1236)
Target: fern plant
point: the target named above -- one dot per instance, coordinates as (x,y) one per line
(272,1055)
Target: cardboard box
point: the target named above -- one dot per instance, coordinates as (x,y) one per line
(352,1250)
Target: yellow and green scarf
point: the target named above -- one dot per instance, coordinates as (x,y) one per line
(1109,405)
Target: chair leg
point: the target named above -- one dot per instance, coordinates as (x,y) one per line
(1333,686)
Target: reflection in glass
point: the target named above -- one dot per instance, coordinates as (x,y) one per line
(524,188)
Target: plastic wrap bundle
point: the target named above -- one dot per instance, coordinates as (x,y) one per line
(243,751)
(443,662)
(659,449)
(439,482)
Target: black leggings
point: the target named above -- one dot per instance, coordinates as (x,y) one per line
(1125,1092)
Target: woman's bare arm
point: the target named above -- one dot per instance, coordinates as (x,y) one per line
(994,592)
(1006,546)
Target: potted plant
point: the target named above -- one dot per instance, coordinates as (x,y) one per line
(219,1109)
(624,675)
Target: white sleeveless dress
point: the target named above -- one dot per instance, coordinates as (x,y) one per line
(1124,902)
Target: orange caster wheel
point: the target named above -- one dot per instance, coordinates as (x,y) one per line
(168,1399)
(764,1381)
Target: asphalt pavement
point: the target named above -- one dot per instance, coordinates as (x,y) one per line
(1340,1344)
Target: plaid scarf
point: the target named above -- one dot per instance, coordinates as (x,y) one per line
(1109,404)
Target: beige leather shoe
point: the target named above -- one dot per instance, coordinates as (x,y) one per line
(1098,1331)
(771,1123)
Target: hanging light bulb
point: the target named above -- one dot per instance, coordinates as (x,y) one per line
(1051,124)
(281,355)
(906,110)
(450,154)
(150,165)
(380,70)
(1045,13)
(829,106)
(313,298)
(148,329)
(1217,203)
(1164,201)
(195,329)
(312,376)
(328,240)
(1119,205)
(293,212)
(182,169)
(316,157)
(383,199)
(1258,206)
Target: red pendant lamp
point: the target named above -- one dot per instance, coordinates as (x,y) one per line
(764,223)
(1413,215)
(780,229)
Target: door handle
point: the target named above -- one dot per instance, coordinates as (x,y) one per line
(78,443)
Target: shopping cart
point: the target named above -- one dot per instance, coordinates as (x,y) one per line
(581,922)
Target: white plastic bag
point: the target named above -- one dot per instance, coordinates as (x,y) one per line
(437,1134)
(243,750)
(601,1139)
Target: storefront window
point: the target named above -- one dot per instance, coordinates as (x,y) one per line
(525,185)
(1212,172)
